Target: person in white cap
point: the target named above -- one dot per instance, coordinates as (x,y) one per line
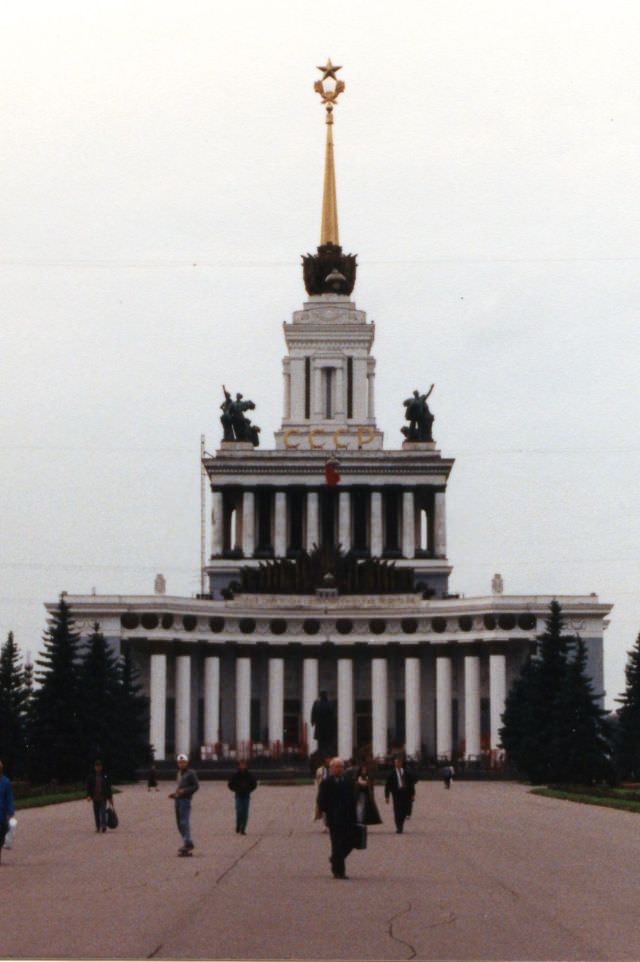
(187,784)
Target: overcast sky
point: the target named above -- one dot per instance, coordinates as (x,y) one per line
(161,173)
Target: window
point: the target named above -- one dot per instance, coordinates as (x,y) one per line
(328,380)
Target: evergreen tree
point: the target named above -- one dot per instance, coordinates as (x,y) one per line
(100,702)
(134,750)
(55,730)
(579,750)
(627,745)
(532,706)
(13,707)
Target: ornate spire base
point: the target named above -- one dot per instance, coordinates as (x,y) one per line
(329,271)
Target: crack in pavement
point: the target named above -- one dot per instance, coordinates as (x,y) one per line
(196,905)
(395,937)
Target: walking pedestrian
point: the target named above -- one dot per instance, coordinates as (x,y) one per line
(447,775)
(336,798)
(7,808)
(401,786)
(186,785)
(322,773)
(242,783)
(99,792)
(152,779)
(366,809)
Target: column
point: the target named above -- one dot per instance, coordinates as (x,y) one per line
(345,707)
(408,525)
(243,703)
(371,395)
(472,704)
(309,695)
(444,732)
(217,522)
(313,520)
(376,524)
(211,699)
(413,737)
(440,526)
(248,524)
(360,398)
(287,387)
(158,706)
(276,701)
(280,543)
(379,720)
(183,703)
(344,519)
(497,695)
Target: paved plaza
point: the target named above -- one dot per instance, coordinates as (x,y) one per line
(482,872)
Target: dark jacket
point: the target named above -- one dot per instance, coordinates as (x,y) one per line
(7,809)
(336,798)
(187,783)
(107,792)
(393,788)
(242,783)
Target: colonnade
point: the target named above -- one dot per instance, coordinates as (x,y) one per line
(409,524)
(345,693)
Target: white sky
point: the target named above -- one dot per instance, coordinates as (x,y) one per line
(161,174)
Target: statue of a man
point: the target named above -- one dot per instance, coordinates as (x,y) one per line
(235,425)
(419,416)
(323,721)
(225,417)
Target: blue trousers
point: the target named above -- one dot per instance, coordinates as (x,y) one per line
(100,813)
(183,816)
(242,812)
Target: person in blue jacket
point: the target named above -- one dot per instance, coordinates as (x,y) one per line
(7,809)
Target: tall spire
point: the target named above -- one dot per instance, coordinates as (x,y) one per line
(329,271)
(329,95)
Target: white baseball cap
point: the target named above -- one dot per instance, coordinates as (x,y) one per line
(182,757)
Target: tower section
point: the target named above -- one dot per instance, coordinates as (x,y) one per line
(329,486)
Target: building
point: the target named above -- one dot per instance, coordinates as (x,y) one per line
(316,584)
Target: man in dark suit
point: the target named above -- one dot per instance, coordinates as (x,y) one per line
(401,785)
(336,799)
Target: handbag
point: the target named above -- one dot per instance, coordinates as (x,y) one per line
(112,818)
(360,836)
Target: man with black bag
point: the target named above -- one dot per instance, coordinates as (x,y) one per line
(336,799)
(99,792)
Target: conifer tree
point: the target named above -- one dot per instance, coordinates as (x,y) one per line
(134,750)
(13,707)
(530,718)
(100,701)
(627,745)
(55,729)
(579,750)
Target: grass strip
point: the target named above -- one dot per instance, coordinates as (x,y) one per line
(37,801)
(586,799)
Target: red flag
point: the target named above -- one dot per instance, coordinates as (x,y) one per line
(331,474)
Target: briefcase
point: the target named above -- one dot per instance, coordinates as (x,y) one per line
(360,836)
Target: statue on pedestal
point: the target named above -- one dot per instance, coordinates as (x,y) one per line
(322,718)
(235,426)
(419,416)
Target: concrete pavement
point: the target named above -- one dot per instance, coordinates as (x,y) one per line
(485,871)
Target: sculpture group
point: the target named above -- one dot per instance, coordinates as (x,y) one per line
(235,425)
(419,416)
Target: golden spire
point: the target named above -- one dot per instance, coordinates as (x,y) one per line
(329,229)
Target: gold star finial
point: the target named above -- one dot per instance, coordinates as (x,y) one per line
(329,88)
(329,71)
